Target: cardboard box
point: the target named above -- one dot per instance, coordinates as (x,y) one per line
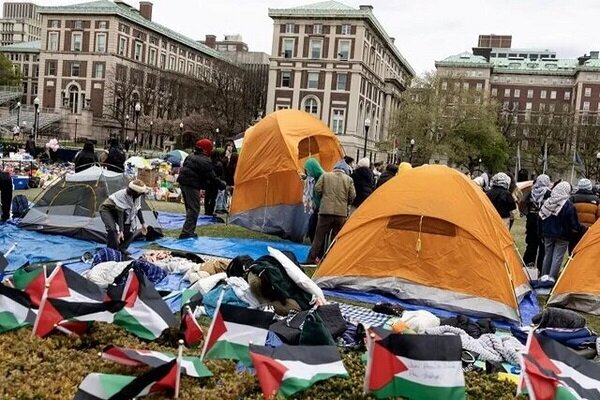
(149,176)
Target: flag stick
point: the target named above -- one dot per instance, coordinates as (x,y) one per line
(212,323)
(370,340)
(178,379)
(42,301)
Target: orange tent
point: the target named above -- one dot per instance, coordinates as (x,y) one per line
(578,287)
(429,236)
(268,187)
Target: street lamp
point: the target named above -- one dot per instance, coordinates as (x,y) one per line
(138,108)
(151,125)
(598,168)
(126,123)
(75,130)
(18,114)
(367,125)
(36,105)
(217,135)
(181,131)
(412,149)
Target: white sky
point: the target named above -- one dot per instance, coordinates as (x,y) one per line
(425,30)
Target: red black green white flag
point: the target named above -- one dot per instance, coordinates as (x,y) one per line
(416,367)
(121,387)
(191,366)
(232,330)
(286,370)
(15,309)
(552,371)
(190,330)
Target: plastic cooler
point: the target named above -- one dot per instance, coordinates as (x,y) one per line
(20,182)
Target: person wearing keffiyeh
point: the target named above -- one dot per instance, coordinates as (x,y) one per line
(559,224)
(534,253)
(501,198)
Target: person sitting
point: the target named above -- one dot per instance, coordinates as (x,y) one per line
(587,205)
(501,198)
(85,158)
(119,212)
(115,161)
(6,190)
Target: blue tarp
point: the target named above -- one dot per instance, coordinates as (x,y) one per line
(170,221)
(37,247)
(528,307)
(229,248)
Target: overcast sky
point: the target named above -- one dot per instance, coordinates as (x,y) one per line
(425,30)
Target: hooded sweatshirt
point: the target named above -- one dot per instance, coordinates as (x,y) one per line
(364,181)
(313,171)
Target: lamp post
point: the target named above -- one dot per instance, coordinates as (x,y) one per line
(75,130)
(217,135)
(367,125)
(18,114)
(151,125)
(36,105)
(138,108)
(126,123)
(598,168)
(181,132)
(412,149)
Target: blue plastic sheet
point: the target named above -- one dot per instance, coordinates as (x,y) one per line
(230,248)
(172,221)
(37,247)
(528,306)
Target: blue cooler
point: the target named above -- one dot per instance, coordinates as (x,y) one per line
(20,182)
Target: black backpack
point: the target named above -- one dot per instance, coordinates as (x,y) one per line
(19,206)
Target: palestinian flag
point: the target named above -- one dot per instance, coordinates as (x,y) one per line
(232,329)
(145,313)
(286,370)
(191,366)
(15,309)
(417,367)
(32,281)
(191,298)
(122,387)
(552,371)
(190,330)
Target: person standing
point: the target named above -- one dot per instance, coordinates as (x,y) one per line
(85,158)
(534,252)
(119,212)
(559,224)
(337,193)
(210,194)
(518,198)
(364,182)
(313,172)
(587,205)
(229,161)
(115,161)
(30,146)
(390,171)
(197,174)
(501,198)
(6,190)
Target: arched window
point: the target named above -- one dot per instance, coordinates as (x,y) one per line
(74,99)
(310,104)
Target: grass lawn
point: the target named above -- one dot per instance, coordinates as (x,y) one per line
(52,368)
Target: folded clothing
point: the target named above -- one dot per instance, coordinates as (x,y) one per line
(200,271)
(103,274)
(211,299)
(474,329)
(553,317)
(420,320)
(208,283)
(106,254)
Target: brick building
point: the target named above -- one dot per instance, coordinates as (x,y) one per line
(25,57)
(20,22)
(231,43)
(338,63)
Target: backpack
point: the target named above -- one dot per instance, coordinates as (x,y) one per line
(19,206)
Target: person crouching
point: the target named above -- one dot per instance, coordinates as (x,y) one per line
(119,212)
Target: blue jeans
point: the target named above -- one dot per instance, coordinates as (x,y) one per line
(555,250)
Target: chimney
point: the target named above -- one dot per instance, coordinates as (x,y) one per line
(594,54)
(211,41)
(366,8)
(392,39)
(146,10)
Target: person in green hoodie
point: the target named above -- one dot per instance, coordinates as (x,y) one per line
(313,172)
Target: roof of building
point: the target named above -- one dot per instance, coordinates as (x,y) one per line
(22,47)
(334,9)
(515,50)
(111,8)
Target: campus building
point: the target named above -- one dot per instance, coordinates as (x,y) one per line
(20,22)
(231,43)
(338,63)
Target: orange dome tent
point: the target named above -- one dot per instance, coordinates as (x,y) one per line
(429,236)
(268,187)
(578,287)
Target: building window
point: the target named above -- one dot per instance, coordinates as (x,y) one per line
(51,68)
(528,106)
(34,88)
(317,29)
(288,48)
(517,93)
(102,24)
(586,106)
(163,61)
(53,41)
(286,79)
(505,105)
(100,42)
(282,107)
(99,70)
(311,105)
(338,120)
(506,92)
(479,86)
(530,94)
(122,46)
(172,63)
(75,69)
(444,85)
(344,50)
(542,106)
(315,48)
(182,66)
(588,92)
(346,29)
(565,108)
(137,55)
(466,85)
(494,92)
(551,107)
(313,80)
(290,28)
(78,24)
(152,57)
(54,23)
(76,39)
(567,95)
(543,94)
(553,94)
(341,81)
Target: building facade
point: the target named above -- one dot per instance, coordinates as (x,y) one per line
(231,43)
(26,58)
(20,23)
(338,63)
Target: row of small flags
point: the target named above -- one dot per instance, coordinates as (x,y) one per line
(417,367)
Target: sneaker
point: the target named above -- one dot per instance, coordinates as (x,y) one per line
(544,278)
(551,279)
(193,236)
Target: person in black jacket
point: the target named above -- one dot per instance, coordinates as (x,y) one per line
(390,171)
(30,146)
(116,157)
(534,252)
(210,194)
(85,158)
(197,174)
(6,190)
(501,198)
(364,182)
(229,163)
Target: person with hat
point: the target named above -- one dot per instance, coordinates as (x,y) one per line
(120,212)
(587,205)
(197,173)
